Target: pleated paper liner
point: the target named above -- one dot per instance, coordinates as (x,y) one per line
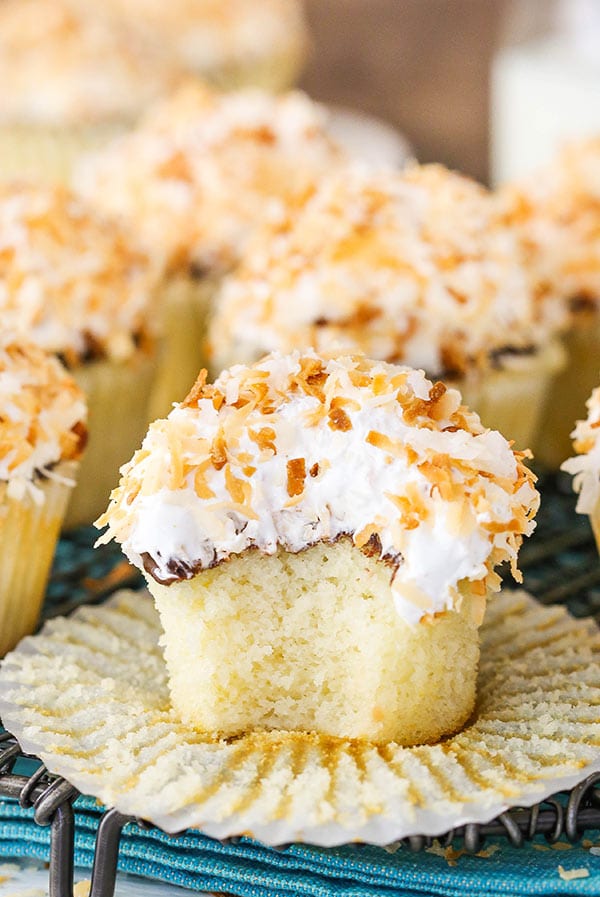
(89,696)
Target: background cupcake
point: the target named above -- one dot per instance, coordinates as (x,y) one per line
(230,43)
(193,181)
(69,80)
(412,268)
(557,216)
(42,434)
(328,534)
(78,287)
(586,465)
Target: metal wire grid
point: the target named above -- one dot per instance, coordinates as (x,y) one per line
(560,565)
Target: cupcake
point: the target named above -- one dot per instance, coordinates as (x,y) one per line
(586,465)
(42,434)
(77,287)
(71,82)
(320,538)
(557,216)
(193,180)
(407,267)
(229,43)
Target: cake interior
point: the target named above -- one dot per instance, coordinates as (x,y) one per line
(313,642)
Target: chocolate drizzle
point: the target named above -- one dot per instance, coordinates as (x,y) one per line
(178,570)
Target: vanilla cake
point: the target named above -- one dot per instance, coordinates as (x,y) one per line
(320,536)
(410,267)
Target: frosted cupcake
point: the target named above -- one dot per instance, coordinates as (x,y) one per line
(69,81)
(586,465)
(557,215)
(76,286)
(320,537)
(42,434)
(230,43)
(412,268)
(193,180)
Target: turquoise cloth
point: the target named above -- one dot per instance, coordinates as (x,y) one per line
(249,869)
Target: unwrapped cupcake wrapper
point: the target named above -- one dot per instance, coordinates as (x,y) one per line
(48,154)
(29,530)
(107,725)
(570,391)
(117,395)
(185,304)
(512,399)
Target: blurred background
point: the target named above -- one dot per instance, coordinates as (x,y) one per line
(421,64)
(425,66)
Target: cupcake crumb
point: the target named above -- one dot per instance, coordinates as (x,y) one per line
(572,874)
(82,888)
(487,852)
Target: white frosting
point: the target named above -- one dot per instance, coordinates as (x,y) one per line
(413,267)
(42,415)
(556,212)
(586,464)
(233,467)
(69,281)
(63,64)
(203,168)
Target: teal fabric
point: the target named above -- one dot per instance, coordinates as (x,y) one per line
(249,869)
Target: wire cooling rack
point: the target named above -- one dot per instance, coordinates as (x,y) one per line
(560,565)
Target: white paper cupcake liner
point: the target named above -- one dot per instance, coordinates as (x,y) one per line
(89,696)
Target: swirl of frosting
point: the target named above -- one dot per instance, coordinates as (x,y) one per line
(203,167)
(42,415)
(303,448)
(410,267)
(73,283)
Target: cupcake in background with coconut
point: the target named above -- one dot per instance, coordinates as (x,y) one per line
(69,82)
(585,466)
(411,267)
(556,214)
(193,181)
(229,43)
(79,288)
(42,435)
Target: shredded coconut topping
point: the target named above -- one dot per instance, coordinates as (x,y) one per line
(199,172)
(42,414)
(61,63)
(302,448)
(207,35)
(69,281)
(586,465)
(557,214)
(411,267)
